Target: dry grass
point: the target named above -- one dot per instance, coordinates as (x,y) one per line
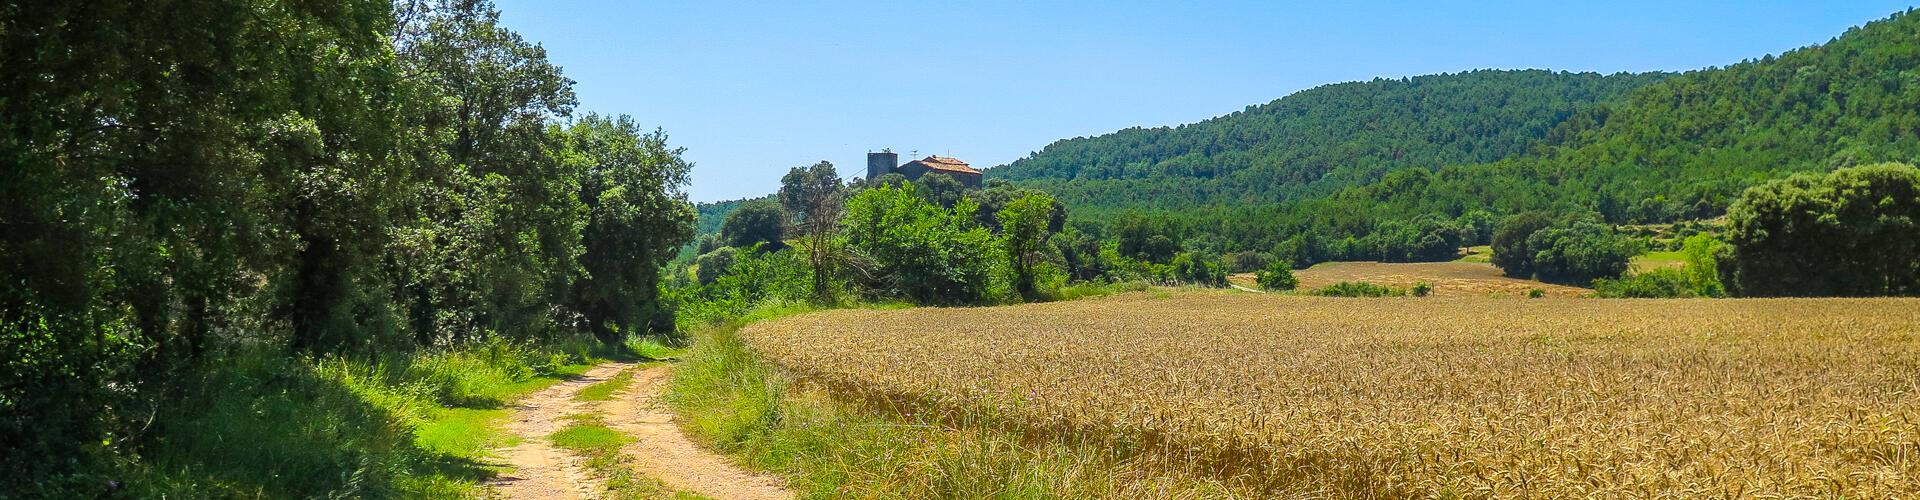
(1449,279)
(1296,396)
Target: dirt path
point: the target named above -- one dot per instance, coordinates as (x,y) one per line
(659,450)
(662,452)
(539,469)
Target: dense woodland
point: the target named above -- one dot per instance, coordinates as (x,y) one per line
(1630,148)
(186,182)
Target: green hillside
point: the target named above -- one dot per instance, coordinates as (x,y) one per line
(1317,141)
(1677,149)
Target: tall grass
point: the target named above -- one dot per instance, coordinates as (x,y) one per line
(259,423)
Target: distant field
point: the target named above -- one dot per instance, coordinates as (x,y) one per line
(1420,397)
(1449,279)
(1655,260)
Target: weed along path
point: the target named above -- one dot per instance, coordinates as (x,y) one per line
(625,399)
(665,453)
(541,470)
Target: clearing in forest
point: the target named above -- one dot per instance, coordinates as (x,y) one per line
(1283,395)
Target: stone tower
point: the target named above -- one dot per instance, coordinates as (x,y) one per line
(881,163)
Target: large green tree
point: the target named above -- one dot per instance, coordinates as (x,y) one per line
(756,222)
(334,178)
(1024,234)
(1852,232)
(638,218)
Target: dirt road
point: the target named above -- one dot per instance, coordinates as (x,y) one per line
(659,449)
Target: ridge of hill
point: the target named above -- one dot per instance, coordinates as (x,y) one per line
(1319,140)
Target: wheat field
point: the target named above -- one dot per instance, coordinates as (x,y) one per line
(1310,397)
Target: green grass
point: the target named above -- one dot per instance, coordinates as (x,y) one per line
(604,390)
(1089,290)
(832,448)
(589,437)
(1481,253)
(462,432)
(1655,260)
(259,423)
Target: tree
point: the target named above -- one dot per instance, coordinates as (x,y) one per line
(815,195)
(1852,232)
(1150,238)
(713,265)
(1024,226)
(1510,250)
(638,218)
(760,222)
(1579,251)
(903,246)
(1278,276)
(941,189)
(1702,253)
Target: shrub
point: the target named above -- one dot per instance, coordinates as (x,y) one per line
(1278,276)
(1422,289)
(1536,293)
(1358,289)
(905,247)
(1654,284)
(1198,269)
(714,264)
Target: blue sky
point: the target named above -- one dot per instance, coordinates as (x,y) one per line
(752,89)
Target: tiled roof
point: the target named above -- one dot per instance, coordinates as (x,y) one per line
(943,163)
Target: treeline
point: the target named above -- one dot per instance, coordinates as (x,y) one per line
(1853,232)
(1683,147)
(184,179)
(933,242)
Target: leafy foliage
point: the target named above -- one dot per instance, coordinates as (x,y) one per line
(1571,250)
(904,246)
(188,178)
(1852,232)
(1357,289)
(1278,276)
(1024,223)
(757,222)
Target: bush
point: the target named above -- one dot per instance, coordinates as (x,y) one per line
(1198,269)
(1655,284)
(1536,293)
(1422,289)
(1278,276)
(1358,289)
(714,264)
(905,247)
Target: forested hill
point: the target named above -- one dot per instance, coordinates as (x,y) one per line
(1317,141)
(1680,148)
(1684,147)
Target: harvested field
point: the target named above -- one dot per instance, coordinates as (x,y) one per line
(1449,279)
(1296,396)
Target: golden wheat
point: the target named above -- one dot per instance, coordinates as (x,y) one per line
(1422,397)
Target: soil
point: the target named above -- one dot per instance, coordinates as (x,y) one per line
(660,450)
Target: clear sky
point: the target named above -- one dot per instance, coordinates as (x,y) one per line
(752,89)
